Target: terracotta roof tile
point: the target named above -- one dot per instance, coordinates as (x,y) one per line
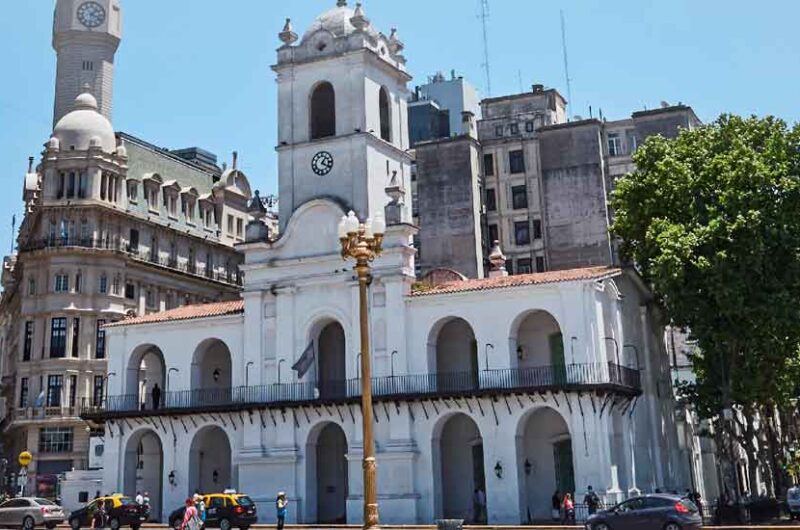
(186,312)
(520,280)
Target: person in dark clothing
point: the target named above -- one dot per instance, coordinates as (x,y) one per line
(156,394)
(591,500)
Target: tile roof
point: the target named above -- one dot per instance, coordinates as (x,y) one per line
(520,280)
(186,312)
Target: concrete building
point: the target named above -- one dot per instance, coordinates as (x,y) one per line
(455,95)
(472,384)
(113,226)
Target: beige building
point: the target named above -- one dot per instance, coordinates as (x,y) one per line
(113,226)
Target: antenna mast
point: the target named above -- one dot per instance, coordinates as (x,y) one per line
(566,62)
(484,16)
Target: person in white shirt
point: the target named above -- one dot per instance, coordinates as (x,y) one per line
(139,498)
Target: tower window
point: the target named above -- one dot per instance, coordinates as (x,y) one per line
(88,66)
(323,111)
(385,115)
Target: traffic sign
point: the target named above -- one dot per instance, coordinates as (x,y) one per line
(25,458)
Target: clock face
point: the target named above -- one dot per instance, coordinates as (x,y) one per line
(322,163)
(91,14)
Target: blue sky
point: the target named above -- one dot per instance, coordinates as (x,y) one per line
(196,72)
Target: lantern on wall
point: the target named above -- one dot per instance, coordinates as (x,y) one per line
(498,469)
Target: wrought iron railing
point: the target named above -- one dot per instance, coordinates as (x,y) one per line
(541,378)
(147,256)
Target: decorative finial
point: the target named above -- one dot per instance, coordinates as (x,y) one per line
(235,159)
(498,262)
(256,207)
(359,20)
(86,88)
(395,44)
(30,164)
(288,36)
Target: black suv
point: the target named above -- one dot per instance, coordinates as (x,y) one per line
(223,511)
(120,511)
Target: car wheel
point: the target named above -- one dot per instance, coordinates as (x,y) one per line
(672,526)
(224,524)
(601,526)
(114,524)
(28,523)
(75,524)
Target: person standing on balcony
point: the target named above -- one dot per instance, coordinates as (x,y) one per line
(281,506)
(156,395)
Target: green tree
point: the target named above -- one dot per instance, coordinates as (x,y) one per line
(711,220)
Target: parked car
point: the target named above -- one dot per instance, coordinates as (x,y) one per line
(120,511)
(223,511)
(662,512)
(793,502)
(30,512)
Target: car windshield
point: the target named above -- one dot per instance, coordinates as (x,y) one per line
(244,500)
(45,502)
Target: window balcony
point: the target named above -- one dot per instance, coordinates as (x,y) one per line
(601,377)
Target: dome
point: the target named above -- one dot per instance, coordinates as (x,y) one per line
(84,126)
(336,20)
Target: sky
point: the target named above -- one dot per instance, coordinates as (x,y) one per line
(197,72)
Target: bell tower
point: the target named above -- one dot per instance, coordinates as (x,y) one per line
(86,35)
(342,113)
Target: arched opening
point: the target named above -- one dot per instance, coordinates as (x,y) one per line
(455,355)
(544,462)
(323,111)
(537,348)
(385,114)
(459,480)
(144,459)
(210,469)
(211,373)
(146,378)
(332,368)
(327,478)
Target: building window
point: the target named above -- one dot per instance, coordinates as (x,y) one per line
(173,254)
(115,285)
(172,205)
(519,197)
(76,334)
(97,394)
(83,186)
(230,224)
(78,282)
(62,283)
(133,241)
(529,126)
(103,284)
(58,337)
(510,266)
(537,229)
(524,266)
(28,346)
(71,185)
(130,291)
(239,227)
(31,286)
(73,390)
(87,66)
(539,263)
(133,191)
(614,144)
(84,231)
(152,199)
(498,131)
(488,164)
(60,190)
(55,440)
(516,161)
(514,128)
(23,392)
(55,385)
(100,340)
(491,200)
(209,218)
(493,234)
(522,235)
(323,111)
(150,298)
(385,115)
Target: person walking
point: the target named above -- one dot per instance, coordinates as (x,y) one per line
(191,520)
(591,500)
(139,499)
(99,516)
(555,501)
(146,504)
(156,395)
(281,507)
(569,508)
(200,504)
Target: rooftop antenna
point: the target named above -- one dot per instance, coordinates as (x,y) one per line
(566,62)
(519,78)
(484,16)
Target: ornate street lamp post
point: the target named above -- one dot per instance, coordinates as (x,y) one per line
(363,243)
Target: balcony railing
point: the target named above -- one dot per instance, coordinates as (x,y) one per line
(146,256)
(572,377)
(43,413)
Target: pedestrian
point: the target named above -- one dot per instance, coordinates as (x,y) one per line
(99,516)
(191,520)
(591,500)
(569,508)
(200,504)
(281,504)
(697,499)
(478,505)
(156,395)
(556,505)
(139,498)
(146,504)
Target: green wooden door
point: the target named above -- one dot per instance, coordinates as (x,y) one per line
(557,361)
(565,475)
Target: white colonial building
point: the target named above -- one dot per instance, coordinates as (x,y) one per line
(517,386)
